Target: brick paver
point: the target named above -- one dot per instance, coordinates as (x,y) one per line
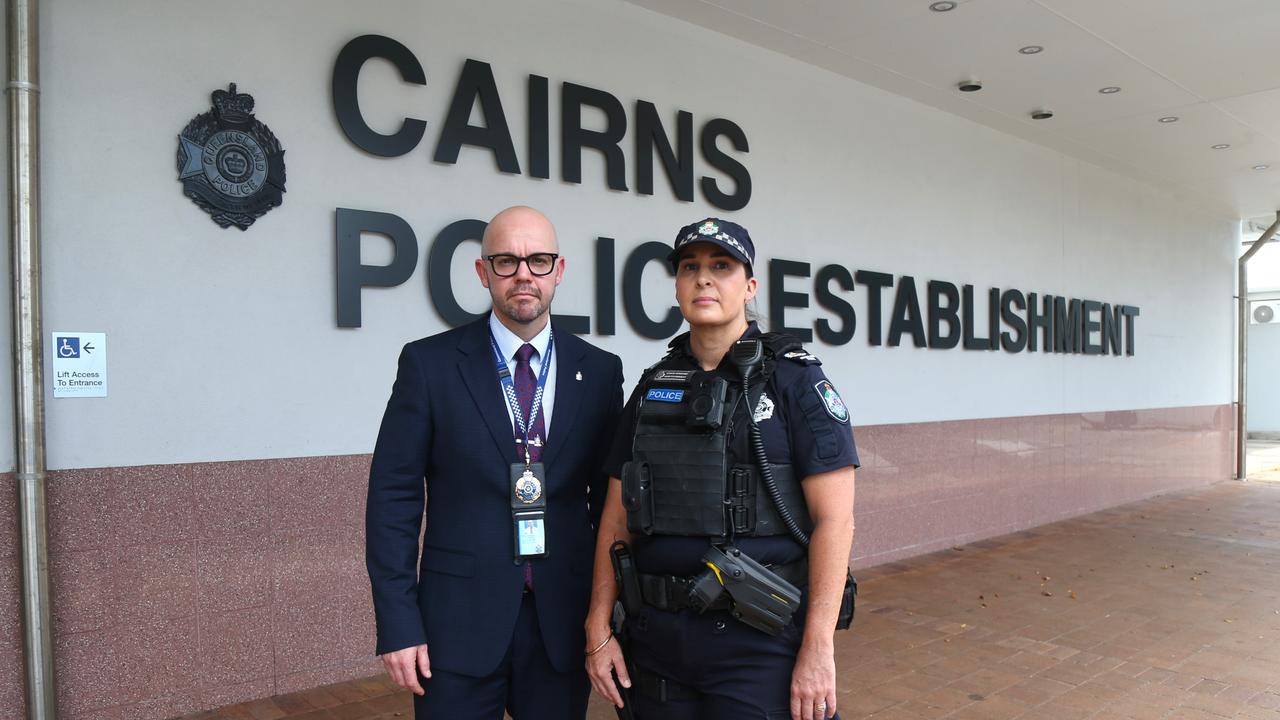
(1165,609)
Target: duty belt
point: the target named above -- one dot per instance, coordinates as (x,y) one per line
(671,592)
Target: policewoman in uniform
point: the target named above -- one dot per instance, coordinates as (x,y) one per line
(729,519)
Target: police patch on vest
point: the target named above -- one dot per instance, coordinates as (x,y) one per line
(230,164)
(670,395)
(832,402)
(764,409)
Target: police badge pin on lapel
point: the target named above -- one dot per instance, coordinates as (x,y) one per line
(229,163)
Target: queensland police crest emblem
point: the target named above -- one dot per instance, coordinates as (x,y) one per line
(832,402)
(230,164)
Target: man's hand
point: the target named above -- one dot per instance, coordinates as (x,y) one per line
(403,666)
(813,684)
(600,668)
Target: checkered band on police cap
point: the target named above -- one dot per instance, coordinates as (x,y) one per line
(731,236)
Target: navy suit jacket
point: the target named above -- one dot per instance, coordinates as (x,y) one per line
(446,444)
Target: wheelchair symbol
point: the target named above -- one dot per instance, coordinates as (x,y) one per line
(69,347)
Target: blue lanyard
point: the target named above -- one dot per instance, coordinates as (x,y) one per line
(509,388)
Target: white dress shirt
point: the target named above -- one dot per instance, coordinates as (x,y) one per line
(508,344)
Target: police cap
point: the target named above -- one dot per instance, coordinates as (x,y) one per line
(728,235)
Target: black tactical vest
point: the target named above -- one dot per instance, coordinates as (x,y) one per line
(691,472)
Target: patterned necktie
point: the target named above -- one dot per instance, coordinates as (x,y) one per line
(526,384)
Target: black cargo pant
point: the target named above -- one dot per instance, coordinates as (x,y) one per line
(708,667)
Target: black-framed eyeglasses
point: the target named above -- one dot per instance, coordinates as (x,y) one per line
(506,264)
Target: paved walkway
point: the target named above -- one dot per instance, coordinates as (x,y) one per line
(1167,608)
(1262,459)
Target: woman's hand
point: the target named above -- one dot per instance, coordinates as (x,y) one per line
(601,666)
(813,683)
(606,659)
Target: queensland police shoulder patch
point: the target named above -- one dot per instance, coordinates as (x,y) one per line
(831,401)
(229,163)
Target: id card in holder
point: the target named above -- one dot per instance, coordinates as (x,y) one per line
(528,510)
(531,534)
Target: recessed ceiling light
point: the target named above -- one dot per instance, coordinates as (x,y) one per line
(1109,90)
(942,6)
(1041,114)
(970,85)
(1031,49)
(1169,119)
(1220,146)
(1261,167)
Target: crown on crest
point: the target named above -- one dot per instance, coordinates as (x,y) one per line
(232,106)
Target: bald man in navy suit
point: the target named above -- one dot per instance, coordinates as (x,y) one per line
(498,430)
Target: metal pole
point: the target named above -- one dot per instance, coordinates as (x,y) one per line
(23,90)
(1242,348)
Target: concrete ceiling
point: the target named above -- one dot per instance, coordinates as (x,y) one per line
(1209,63)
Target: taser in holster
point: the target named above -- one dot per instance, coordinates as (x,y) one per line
(760,597)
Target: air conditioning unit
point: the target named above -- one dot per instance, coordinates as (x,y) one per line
(1264,311)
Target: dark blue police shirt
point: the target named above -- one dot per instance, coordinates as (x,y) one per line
(799,431)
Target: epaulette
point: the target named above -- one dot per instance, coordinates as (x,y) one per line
(802,356)
(788,347)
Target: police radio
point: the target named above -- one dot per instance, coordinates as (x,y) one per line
(746,355)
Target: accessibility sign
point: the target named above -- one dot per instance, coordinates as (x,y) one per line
(79,364)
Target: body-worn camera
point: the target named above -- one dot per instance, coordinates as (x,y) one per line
(706,401)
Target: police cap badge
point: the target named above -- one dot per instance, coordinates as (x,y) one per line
(728,235)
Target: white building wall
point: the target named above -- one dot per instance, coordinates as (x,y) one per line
(1264,377)
(224,345)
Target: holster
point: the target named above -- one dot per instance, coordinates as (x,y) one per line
(629,601)
(759,597)
(628,579)
(845,619)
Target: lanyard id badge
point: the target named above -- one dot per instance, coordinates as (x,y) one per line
(528,510)
(528,479)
